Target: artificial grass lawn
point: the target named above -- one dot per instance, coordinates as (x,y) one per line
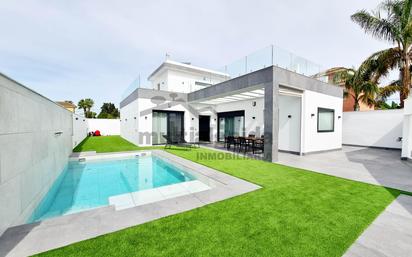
(106,144)
(296,213)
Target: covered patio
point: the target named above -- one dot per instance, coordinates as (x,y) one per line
(267,111)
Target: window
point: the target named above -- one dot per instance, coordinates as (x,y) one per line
(326,120)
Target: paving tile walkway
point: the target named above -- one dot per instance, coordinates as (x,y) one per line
(390,235)
(374,166)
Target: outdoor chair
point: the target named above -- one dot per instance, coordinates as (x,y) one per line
(230,141)
(175,142)
(244,144)
(195,144)
(236,143)
(258,145)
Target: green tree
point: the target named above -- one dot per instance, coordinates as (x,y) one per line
(359,84)
(86,105)
(383,105)
(392,22)
(90,115)
(108,111)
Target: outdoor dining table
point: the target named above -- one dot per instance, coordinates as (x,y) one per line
(252,140)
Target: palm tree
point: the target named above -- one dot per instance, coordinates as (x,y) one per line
(395,26)
(86,105)
(359,84)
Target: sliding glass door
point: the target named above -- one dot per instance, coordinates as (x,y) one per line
(175,126)
(167,123)
(159,127)
(231,124)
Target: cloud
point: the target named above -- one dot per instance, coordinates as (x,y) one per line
(76,49)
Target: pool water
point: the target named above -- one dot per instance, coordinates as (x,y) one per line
(89,184)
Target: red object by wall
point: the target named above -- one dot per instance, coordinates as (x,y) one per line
(97,133)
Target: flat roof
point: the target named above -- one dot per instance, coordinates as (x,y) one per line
(186,67)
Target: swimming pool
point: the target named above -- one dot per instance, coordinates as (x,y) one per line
(89,184)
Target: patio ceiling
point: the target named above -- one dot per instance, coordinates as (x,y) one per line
(236,97)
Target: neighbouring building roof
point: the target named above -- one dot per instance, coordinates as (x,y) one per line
(66,104)
(329,75)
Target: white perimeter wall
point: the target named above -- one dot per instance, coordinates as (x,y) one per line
(407,130)
(373,128)
(80,129)
(32,155)
(106,127)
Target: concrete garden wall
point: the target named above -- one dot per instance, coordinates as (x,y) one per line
(36,140)
(407,130)
(373,128)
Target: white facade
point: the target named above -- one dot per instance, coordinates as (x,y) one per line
(136,120)
(183,78)
(298,111)
(314,141)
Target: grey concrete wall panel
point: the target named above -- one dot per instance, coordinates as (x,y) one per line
(271,121)
(154,94)
(36,140)
(245,82)
(291,79)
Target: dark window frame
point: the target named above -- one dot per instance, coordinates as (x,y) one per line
(321,109)
(182,133)
(229,114)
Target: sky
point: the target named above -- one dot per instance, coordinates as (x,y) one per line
(69,50)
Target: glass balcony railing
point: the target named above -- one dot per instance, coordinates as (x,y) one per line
(135,85)
(268,56)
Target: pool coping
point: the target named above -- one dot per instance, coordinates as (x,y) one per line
(56,232)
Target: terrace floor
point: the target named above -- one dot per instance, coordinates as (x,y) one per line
(371,165)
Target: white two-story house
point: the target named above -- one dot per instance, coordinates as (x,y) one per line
(293,112)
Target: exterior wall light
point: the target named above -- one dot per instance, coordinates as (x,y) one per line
(253,117)
(339,117)
(254,103)
(134,117)
(289,116)
(193,118)
(77,118)
(145,117)
(312,115)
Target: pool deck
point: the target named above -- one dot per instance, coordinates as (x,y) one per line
(56,232)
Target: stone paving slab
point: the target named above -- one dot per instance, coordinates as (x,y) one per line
(390,235)
(374,166)
(56,232)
